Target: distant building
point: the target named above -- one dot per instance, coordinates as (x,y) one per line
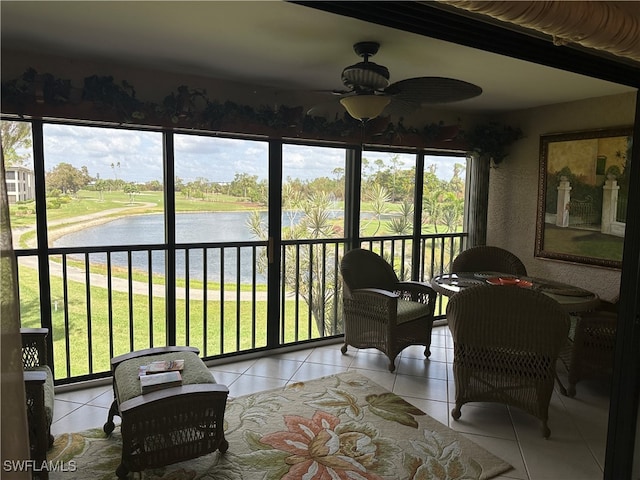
(20,184)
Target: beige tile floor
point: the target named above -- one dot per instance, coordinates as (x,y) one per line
(575,450)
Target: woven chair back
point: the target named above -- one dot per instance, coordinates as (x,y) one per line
(362,268)
(486,258)
(507,317)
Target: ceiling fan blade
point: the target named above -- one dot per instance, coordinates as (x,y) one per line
(431,90)
(333,92)
(325,109)
(399,107)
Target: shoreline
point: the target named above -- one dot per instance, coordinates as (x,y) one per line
(60,228)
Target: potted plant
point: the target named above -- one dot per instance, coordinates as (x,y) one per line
(613,172)
(490,140)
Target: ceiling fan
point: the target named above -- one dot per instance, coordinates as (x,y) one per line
(368,90)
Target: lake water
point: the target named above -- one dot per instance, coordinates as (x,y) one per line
(190,228)
(149,229)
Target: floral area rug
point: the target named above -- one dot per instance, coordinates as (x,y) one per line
(342,426)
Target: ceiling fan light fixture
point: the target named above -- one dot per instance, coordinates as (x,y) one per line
(365,107)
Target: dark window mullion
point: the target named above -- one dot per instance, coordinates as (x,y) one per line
(417,217)
(275,243)
(170,235)
(353,183)
(37,139)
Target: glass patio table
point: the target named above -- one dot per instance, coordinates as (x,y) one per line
(572,299)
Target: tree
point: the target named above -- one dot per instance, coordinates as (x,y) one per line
(100,186)
(246,186)
(452,210)
(66,178)
(307,270)
(153,186)
(379,198)
(113,167)
(402,224)
(131,189)
(456,184)
(178,184)
(15,136)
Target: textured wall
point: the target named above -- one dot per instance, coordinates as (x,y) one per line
(514,186)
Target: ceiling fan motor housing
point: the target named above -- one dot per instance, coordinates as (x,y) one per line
(366,76)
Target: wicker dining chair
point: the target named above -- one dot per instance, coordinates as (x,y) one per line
(485,258)
(589,350)
(506,342)
(381,312)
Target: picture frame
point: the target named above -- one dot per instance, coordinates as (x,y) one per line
(582,196)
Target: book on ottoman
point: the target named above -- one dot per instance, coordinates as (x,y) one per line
(157,381)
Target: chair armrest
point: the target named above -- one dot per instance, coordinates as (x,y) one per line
(34,376)
(375,291)
(33,331)
(418,292)
(115,361)
(415,286)
(216,389)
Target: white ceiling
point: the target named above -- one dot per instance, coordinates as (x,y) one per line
(275,44)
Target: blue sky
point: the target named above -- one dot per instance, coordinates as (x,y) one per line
(139,155)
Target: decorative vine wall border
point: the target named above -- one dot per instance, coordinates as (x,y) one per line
(103,99)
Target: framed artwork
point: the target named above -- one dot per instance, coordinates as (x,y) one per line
(582,196)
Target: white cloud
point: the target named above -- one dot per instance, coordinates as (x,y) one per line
(139,154)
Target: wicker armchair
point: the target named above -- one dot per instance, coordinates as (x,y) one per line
(38,382)
(506,344)
(589,351)
(381,312)
(490,259)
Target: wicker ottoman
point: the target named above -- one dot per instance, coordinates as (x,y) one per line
(169,425)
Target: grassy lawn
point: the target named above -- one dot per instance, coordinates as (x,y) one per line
(139,322)
(583,243)
(88,202)
(225,330)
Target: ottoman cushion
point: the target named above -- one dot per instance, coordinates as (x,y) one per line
(128,382)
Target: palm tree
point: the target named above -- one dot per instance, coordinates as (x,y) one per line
(402,224)
(309,271)
(379,198)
